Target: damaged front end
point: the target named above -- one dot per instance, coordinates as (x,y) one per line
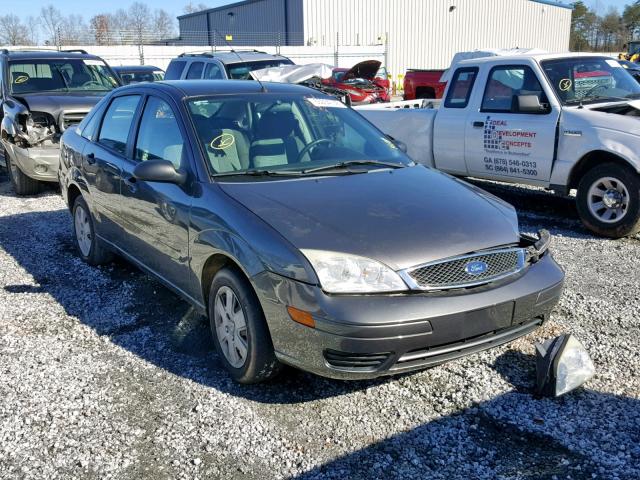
(32,138)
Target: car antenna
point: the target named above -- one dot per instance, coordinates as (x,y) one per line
(262,87)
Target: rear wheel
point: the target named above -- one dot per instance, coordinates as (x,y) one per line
(22,184)
(608,200)
(89,246)
(239,329)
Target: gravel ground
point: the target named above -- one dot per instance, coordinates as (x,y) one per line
(106,374)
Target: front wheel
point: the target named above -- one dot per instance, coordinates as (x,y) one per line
(22,184)
(239,329)
(608,200)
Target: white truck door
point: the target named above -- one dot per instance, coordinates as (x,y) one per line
(448,131)
(507,139)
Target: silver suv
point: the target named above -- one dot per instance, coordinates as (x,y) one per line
(221,65)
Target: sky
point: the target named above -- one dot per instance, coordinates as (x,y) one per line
(88,8)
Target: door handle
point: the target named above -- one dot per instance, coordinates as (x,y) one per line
(478,124)
(91,158)
(131,184)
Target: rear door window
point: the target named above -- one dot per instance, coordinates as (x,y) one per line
(195,71)
(175,69)
(117,123)
(461,87)
(212,72)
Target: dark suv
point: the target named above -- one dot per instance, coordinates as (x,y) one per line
(303,232)
(222,65)
(43,93)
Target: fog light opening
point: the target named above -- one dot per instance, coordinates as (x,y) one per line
(562,365)
(40,168)
(302,317)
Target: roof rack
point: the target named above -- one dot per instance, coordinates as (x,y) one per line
(6,51)
(212,54)
(76,50)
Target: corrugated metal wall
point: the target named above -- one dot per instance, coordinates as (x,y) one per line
(427,33)
(256,23)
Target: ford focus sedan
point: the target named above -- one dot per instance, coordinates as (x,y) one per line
(305,234)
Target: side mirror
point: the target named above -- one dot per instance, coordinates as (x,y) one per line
(530,104)
(159,171)
(401,145)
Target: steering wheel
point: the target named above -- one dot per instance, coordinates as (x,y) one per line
(311,146)
(91,83)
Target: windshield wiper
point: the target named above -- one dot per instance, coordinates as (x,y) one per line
(258,173)
(349,163)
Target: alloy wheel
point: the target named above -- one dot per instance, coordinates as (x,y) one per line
(83,230)
(231,327)
(608,199)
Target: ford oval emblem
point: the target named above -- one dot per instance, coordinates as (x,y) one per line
(476,267)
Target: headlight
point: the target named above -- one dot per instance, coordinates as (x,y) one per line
(344,273)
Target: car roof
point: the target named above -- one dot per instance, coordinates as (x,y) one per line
(47,54)
(538,57)
(233,56)
(198,88)
(136,68)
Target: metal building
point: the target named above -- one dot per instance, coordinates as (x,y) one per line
(418,33)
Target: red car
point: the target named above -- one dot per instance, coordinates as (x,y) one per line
(365,82)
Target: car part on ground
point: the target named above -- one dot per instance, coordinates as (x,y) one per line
(44,93)
(306,234)
(562,365)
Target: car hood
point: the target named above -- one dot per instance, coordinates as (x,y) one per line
(366,69)
(401,217)
(58,102)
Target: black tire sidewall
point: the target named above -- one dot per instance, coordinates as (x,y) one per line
(630,223)
(260,363)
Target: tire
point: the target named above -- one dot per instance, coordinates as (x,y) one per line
(22,184)
(92,252)
(608,200)
(259,363)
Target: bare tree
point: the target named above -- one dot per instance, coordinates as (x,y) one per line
(101,26)
(139,17)
(33,27)
(51,20)
(193,8)
(73,30)
(162,25)
(12,31)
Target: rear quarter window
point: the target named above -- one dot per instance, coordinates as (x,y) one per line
(461,87)
(175,69)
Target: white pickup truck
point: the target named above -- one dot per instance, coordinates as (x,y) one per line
(559,121)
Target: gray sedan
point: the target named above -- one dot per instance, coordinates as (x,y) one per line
(305,234)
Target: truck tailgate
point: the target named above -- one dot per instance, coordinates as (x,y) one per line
(413,127)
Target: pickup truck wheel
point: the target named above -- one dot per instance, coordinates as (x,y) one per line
(608,200)
(22,184)
(87,243)
(239,329)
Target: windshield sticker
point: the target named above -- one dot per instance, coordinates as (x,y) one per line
(565,84)
(93,62)
(325,102)
(222,142)
(613,63)
(21,79)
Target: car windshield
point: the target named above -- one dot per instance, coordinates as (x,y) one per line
(287,134)
(136,77)
(241,71)
(590,79)
(60,75)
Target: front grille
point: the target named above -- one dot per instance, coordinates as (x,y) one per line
(467,270)
(69,119)
(355,361)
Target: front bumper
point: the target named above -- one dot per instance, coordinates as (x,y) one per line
(40,163)
(366,336)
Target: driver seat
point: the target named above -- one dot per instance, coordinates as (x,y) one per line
(277,141)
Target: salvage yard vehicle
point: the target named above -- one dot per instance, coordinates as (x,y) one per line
(559,121)
(302,231)
(44,93)
(419,83)
(221,65)
(138,73)
(361,82)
